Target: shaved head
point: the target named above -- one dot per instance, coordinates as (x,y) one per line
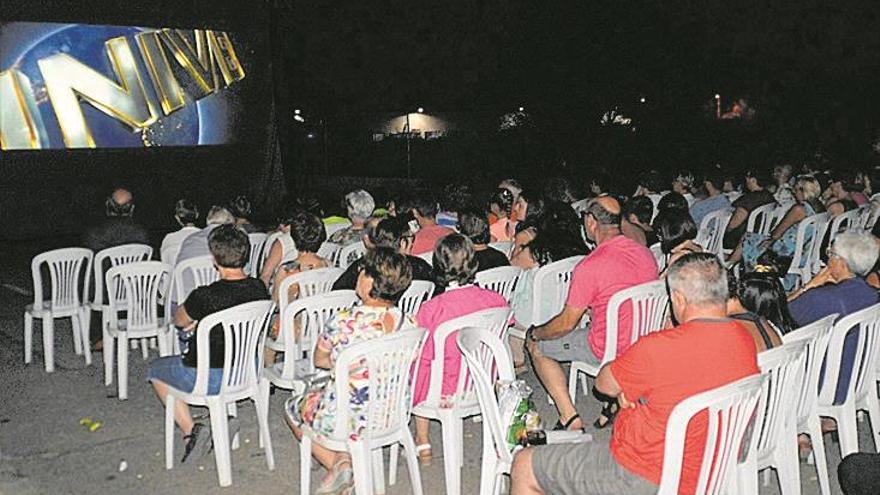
(121,196)
(606,211)
(609,204)
(120,203)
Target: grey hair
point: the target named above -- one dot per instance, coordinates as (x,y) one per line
(360,204)
(700,278)
(219,215)
(859,249)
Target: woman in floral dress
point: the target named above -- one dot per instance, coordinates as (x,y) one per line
(384,277)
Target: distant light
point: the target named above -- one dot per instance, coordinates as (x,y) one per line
(310,135)
(642,99)
(421,110)
(298,118)
(521,109)
(717,96)
(297,111)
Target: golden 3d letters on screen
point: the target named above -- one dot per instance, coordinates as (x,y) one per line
(89,86)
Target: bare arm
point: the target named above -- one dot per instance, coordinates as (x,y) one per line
(607,384)
(322,358)
(795,214)
(560,325)
(739,217)
(271,262)
(182,319)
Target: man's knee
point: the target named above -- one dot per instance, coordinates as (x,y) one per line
(521,475)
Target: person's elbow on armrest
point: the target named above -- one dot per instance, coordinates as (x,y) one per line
(606,383)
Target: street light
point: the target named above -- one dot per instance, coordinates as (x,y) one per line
(522,109)
(421,110)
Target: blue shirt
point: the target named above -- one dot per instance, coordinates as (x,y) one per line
(705,206)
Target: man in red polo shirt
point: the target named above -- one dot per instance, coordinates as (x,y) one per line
(706,351)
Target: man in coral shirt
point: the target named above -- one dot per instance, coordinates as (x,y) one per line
(706,351)
(424,209)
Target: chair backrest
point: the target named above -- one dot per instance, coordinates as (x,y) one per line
(501,279)
(712,229)
(330,252)
(244,332)
(428,257)
(550,288)
(351,253)
(117,255)
(783,369)
(307,317)
(139,286)
(816,336)
(730,409)
(806,252)
(659,256)
(494,320)
(192,273)
(649,303)
(387,361)
(257,241)
(845,221)
(69,274)
(761,219)
(504,246)
(311,283)
(867,323)
(336,227)
(486,357)
(870,213)
(418,292)
(267,246)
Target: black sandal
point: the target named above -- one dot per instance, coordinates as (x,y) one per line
(564,427)
(606,417)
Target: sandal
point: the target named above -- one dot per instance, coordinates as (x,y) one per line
(560,426)
(606,417)
(341,481)
(424,459)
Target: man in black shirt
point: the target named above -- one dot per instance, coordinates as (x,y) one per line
(229,246)
(474,226)
(754,197)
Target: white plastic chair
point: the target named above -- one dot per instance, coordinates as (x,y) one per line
(309,315)
(649,303)
(806,254)
(418,292)
(843,222)
(330,252)
(774,441)
(488,362)
(503,246)
(711,232)
(869,215)
(114,256)
(351,253)
(761,219)
(267,246)
(69,274)
(188,274)
(861,394)
(388,360)
(501,279)
(451,411)
(730,411)
(244,328)
(659,256)
(135,289)
(255,257)
(816,336)
(550,288)
(428,257)
(311,283)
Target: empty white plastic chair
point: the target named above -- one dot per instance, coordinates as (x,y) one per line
(501,279)
(418,292)
(774,441)
(104,261)
(649,304)
(761,219)
(806,253)
(488,362)
(843,222)
(244,328)
(815,336)
(137,286)
(69,274)
(451,411)
(711,232)
(257,241)
(388,360)
(730,410)
(861,393)
(503,246)
(351,253)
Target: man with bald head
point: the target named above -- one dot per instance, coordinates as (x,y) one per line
(617,263)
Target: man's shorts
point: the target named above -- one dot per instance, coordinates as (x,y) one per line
(585,469)
(570,347)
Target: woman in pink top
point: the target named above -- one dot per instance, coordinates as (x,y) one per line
(456,267)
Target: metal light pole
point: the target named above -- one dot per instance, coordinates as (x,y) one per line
(408,136)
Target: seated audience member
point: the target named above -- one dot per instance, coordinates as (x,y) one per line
(859,474)
(783,192)
(673,201)
(501,206)
(758,301)
(713,183)
(424,210)
(651,184)
(119,226)
(185,214)
(455,198)
(307,231)
(360,206)
(283,249)
(754,197)
(683,183)
(843,188)
(229,246)
(528,208)
(196,244)
(677,232)
(456,267)
(514,187)
(390,233)
(840,288)
(635,220)
(240,207)
(704,352)
(472,224)
(384,278)
(617,263)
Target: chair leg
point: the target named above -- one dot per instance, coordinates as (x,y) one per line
(452,436)
(261,402)
(122,365)
(169,431)
(847,429)
(220,435)
(162,341)
(409,451)
(77,336)
(394,452)
(378,472)
(572,383)
(232,412)
(815,432)
(747,477)
(49,342)
(361,466)
(79,318)
(305,465)
(488,465)
(873,407)
(145,350)
(28,338)
(788,466)
(109,352)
